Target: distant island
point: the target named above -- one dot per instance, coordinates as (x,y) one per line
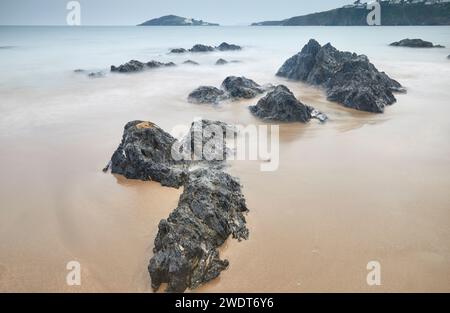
(173,20)
(393,13)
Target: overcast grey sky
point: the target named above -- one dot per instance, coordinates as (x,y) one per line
(132,12)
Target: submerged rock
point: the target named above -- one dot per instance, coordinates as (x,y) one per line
(228,47)
(207,94)
(210,209)
(415,43)
(190,62)
(221,62)
(137,66)
(201,48)
(242,87)
(97,74)
(281,105)
(178,50)
(349,79)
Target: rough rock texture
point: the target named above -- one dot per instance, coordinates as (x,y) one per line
(207,142)
(448,57)
(136,66)
(178,50)
(232,88)
(190,62)
(201,48)
(415,43)
(207,94)
(349,79)
(228,47)
(145,154)
(241,87)
(221,62)
(281,105)
(209,211)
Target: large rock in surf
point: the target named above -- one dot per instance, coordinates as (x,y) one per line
(232,87)
(241,87)
(145,154)
(281,105)
(210,209)
(349,79)
(207,94)
(137,66)
(228,47)
(415,43)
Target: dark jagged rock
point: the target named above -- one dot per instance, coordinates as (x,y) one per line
(207,141)
(448,57)
(415,43)
(221,62)
(137,66)
(349,79)
(190,62)
(241,87)
(207,94)
(209,211)
(228,47)
(232,88)
(281,105)
(201,48)
(145,154)
(178,50)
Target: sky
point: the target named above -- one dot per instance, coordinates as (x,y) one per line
(132,12)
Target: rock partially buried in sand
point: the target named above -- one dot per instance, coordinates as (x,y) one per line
(349,79)
(207,94)
(281,105)
(228,47)
(415,43)
(210,209)
(145,154)
(137,66)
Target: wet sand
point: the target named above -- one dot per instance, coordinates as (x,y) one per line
(362,187)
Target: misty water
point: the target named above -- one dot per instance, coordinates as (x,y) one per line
(361,187)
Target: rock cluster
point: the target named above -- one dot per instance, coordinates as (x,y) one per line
(349,79)
(232,87)
(137,66)
(281,105)
(210,209)
(415,43)
(205,48)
